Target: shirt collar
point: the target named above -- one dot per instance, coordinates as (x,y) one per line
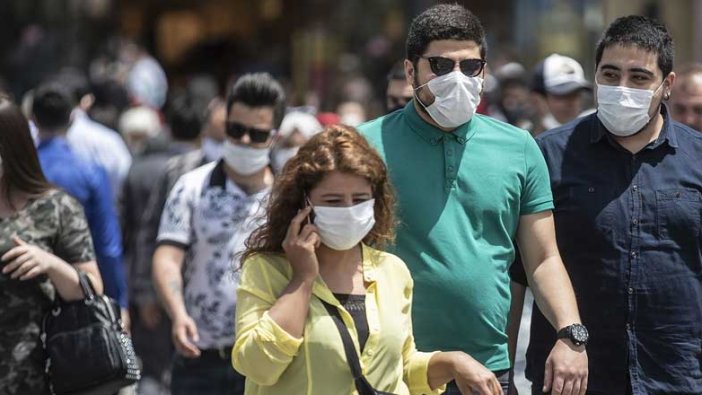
(598,131)
(432,134)
(218,177)
(58,142)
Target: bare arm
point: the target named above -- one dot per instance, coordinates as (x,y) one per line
(566,367)
(471,377)
(27,261)
(547,276)
(168,280)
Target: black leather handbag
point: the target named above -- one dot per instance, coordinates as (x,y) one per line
(362,385)
(88,351)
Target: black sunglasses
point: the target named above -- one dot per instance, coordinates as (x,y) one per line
(440,65)
(236,130)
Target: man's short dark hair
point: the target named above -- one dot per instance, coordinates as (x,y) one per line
(259,90)
(52,106)
(185,117)
(641,32)
(444,22)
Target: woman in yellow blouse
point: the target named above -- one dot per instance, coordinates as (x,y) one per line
(331,205)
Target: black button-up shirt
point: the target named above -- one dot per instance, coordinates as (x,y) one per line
(628,229)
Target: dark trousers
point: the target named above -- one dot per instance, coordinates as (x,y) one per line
(502,377)
(212,373)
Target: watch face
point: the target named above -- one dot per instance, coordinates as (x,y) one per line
(579,333)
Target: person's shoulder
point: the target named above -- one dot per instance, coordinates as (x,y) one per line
(57,200)
(499,132)
(561,134)
(199,173)
(375,126)
(486,121)
(687,134)
(388,262)
(272,265)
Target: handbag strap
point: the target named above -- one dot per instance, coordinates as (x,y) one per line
(86,285)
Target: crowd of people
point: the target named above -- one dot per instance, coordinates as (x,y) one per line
(259,248)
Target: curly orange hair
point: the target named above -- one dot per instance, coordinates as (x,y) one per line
(339,148)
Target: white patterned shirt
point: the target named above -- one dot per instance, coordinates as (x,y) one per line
(210,217)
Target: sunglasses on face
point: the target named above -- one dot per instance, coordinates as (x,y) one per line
(237,131)
(440,65)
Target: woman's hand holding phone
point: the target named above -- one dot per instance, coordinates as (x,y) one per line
(301,241)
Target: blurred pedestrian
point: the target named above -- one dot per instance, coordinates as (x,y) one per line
(628,194)
(469,186)
(559,87)
(295,130)
(319,255)
(43,237)
(399,91)
(209,213)
(686,97)
(90,140)
(151,327)
(87,182)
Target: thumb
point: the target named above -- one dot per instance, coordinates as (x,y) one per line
(19,241)
(192,331)
(548,375)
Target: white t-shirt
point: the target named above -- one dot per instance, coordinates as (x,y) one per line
(210,217)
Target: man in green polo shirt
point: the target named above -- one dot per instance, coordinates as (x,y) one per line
(468,186)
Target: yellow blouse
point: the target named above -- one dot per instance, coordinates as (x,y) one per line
(274,362)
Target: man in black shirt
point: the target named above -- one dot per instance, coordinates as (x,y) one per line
(627,186)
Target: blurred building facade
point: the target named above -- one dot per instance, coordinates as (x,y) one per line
(326,51)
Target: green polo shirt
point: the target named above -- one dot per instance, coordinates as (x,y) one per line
(460,196)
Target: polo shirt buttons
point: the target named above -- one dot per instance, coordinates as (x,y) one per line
(449,152)
(450,168)
(630,291)
(461,140)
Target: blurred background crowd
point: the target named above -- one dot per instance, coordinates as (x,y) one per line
(148,78)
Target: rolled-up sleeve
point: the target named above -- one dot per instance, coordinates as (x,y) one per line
(416,363)
(263,350)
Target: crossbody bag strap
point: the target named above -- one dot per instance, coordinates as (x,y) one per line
(349,348)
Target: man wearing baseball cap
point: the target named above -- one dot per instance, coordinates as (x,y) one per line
(558,87)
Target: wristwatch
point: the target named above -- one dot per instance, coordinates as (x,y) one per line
(576,333)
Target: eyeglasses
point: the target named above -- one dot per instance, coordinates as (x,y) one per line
(440,65)
(236,130)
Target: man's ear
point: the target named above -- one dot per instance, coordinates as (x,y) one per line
(409,72)
(668,85)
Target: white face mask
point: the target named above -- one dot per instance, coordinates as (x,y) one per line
(624,111)
(456,97)
(281,156)
(245,160)
(341,228)
(212,149)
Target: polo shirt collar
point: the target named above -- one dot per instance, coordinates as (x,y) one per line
(598,131)
(432,134)
(218,177)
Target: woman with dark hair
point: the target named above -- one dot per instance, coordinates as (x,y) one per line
(43,237)
(316,264)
